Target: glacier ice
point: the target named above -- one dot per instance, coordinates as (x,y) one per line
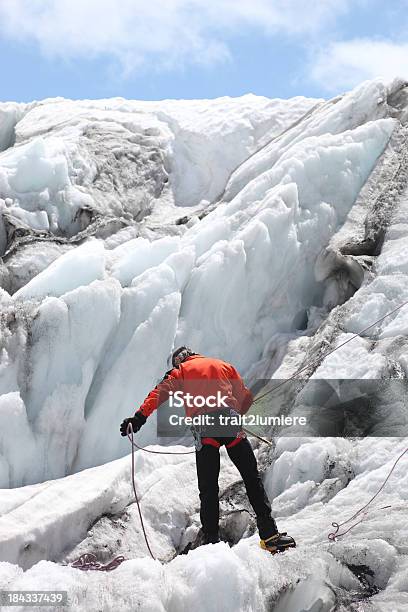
(262,243)
(77,268)
(261,231)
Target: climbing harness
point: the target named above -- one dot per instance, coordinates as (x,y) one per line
(88,561)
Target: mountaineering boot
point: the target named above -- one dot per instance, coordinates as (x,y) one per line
(278,543)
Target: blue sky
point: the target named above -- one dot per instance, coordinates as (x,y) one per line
(197,48)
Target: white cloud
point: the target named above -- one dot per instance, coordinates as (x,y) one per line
(156,32)
(344,64)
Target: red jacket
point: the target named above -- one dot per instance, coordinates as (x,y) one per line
(201,376)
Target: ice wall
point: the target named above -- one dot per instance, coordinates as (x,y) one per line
(86,337)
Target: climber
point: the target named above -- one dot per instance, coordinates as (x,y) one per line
(206,377)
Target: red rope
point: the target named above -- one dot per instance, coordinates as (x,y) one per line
(88,561)
(147,450)
(336,348)
(129,433)
(334,535)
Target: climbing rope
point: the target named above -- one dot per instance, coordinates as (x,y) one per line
(148,450)
(362,512)
(88,561)
(336,348)
(130,434)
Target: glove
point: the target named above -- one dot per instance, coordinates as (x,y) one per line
(137,421)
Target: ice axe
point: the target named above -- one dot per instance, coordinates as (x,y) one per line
(251,433)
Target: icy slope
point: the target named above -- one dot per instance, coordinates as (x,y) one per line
(225,284)
(46,521)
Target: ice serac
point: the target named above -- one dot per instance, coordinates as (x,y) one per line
(280,222)
(77,268)
(261,231)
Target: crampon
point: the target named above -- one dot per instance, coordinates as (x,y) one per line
(278,543)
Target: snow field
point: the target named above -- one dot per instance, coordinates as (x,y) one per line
(39,525)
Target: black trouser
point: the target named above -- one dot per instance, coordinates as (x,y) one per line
(208,469)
